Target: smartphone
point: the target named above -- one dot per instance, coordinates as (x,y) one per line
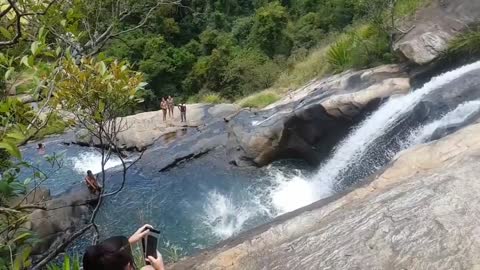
(149,244)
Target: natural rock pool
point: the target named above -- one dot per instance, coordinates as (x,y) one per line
(195,204)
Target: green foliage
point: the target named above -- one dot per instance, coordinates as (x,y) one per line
(339,55)
(362,47)
(259,100)
(97,91)
(55,125)
(467,44)
(69,263)
(268,29)
(211,98)
(313,65)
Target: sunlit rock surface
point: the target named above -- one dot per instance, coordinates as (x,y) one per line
(317,113)
(430,30)
(421,212)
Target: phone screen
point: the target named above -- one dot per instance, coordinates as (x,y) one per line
(151,249)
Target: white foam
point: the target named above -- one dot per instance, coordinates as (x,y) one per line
(457,116)
(92,160)
(224,217)
(350,150)
(293,192)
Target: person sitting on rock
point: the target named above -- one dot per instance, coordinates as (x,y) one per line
(115,253)
(41,149)
(92,183)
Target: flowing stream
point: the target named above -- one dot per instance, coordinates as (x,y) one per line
(201,202)
(357,156)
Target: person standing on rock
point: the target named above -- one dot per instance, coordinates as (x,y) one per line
(171,105)
(164,107)
(92,183)
(183,112)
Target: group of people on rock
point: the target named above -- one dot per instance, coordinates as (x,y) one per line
(168,104)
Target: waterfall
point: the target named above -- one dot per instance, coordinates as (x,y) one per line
(92,160)
(352,149)
(358,142)
(455,117)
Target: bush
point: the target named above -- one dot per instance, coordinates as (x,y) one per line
(312,66)
(56,125)
(211,98)
(362,47)
(259,100)
(339,55)
(467,44)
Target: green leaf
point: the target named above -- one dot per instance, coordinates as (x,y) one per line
(31,60)
(11,148)
(66,263)
(16,135)
(34,47)
(25,61)
(63,23)
(5,33)
(58,51)
(8,73)
(102,68)
(23,236)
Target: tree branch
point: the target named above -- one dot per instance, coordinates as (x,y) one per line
(59,248)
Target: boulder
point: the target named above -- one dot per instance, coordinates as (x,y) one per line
(144,129)
(421,212)
(83,137)
(64,214)
(313,118)
(433,27)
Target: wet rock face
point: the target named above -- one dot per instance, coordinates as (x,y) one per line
(65,214)
(314,117)
(419,213)
(434,27)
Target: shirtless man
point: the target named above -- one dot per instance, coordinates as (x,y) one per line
(92,183)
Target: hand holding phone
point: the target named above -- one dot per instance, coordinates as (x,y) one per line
(149,243)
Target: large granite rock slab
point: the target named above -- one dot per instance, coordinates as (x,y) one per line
(421,212)
(434,27)
(144,129)
(319,113)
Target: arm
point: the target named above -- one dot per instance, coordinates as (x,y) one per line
(139,234)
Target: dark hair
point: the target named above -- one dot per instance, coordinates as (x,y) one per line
(89,172)
(40,145)
(112,254)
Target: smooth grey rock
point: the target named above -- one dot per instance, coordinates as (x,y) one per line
(83,137)
(144,129)
(420,213)
(434,27)
(319,113)
(64,214)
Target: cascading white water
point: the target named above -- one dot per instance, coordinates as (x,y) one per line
(457,116)
(353,148)
(357,143)
(92,160)
(224,217)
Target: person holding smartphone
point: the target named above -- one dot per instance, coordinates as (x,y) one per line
(115,253)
